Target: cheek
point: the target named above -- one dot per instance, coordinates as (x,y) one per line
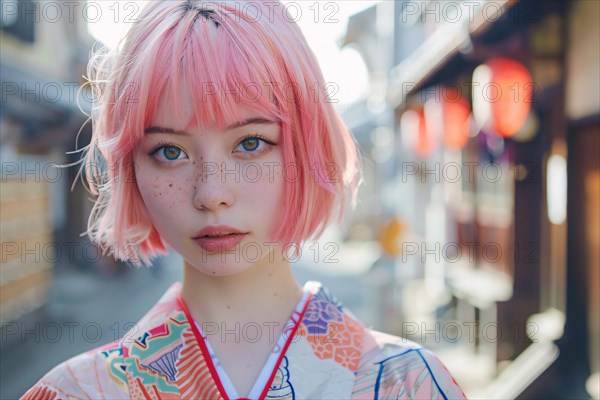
(264,189)
(268,180)
(162,194)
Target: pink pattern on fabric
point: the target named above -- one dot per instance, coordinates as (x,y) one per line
(194,380)
(136,388)
(40,393)
(341,341)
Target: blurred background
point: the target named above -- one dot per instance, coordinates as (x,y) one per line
(477,230)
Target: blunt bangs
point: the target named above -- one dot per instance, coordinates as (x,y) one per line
(225,58)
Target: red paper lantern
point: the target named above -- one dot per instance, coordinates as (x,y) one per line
(455,117)
(415,134)
(502,91)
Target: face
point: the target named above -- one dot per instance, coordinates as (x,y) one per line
(200,177)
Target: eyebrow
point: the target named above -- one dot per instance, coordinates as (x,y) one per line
(235,125)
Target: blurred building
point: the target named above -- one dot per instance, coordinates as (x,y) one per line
(44,51)
(498,256)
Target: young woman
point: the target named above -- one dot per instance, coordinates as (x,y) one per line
(215,138)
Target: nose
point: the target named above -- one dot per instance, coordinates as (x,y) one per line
(213,187)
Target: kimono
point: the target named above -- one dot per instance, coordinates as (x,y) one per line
(323,353)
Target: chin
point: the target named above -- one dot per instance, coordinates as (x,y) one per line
(219,268)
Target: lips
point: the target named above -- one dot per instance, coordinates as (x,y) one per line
(218,235)
(217,231)
(219,238)
(218,244)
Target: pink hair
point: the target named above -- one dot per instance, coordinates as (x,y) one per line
(222,52)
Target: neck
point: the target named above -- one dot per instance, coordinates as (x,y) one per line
(266,291)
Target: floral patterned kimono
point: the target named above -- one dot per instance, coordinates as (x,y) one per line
(324,353)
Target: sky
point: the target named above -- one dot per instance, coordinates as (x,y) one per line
(322,22)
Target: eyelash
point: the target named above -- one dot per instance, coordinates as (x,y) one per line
(251,154)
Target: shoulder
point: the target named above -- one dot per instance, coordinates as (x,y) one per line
(400,367)
(107,372)
(83,376)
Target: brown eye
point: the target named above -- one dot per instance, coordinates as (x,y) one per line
(166,152)
(254,146)
(171,152)
(251,144)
